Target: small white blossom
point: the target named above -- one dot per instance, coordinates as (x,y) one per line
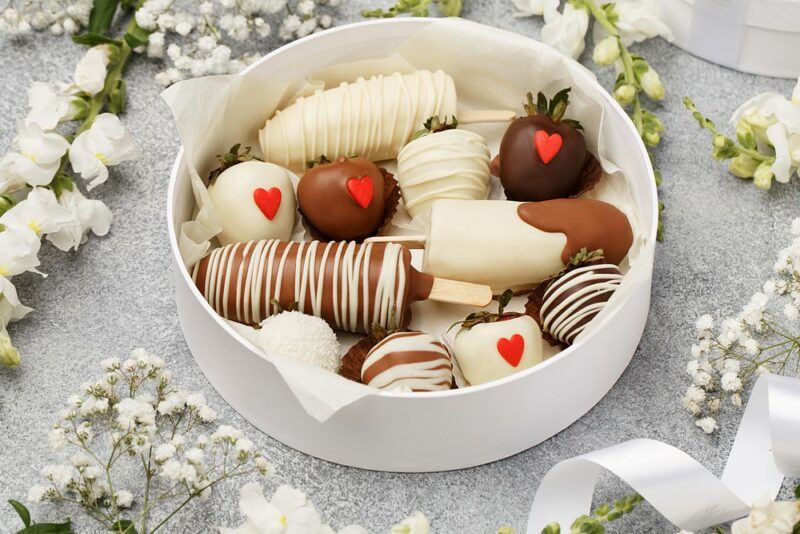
(529,8)
(47,108)
(105,143)
(414,524)
(731,382)
(40,212)
(790,311)
(707,424)
(164,452)
(124,499)
(37,160)
(704,323)
(768,517)
(565,31)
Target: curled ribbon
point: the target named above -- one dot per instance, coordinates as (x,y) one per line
(766,448)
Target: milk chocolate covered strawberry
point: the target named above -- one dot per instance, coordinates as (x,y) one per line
(542,154)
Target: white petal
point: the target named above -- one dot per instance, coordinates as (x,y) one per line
(19,249)
(287,499)
(528,8)
(11,309)
(47,108)
(638,20)
(303,520)
(90,72)
(255,506)
(782,166)
(566,31)
(796,93)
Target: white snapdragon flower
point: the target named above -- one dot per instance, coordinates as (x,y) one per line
(47,108)
(40,212)
(414,524)
(37,160)
(90,72)
(566,31)
(287,511)
(87,215)
(637,20)
(529,8)
(768,517)
(11,309)
(105,144)
(19,250)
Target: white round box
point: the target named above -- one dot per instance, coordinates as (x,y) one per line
(755,36)
(418,432)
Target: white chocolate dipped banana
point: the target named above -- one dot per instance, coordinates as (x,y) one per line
(373,118)
(514,245)
(450,164)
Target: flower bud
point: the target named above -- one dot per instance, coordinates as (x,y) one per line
(8,354)
(651,84)
(762,177)
(720,141)
(651,138)
(745,134)
(625,94)
(743,166)
(606,51)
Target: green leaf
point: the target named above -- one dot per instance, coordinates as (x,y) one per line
(123,526)
(116,99)
(49,528)
(136,35)
(93,39)
(22,512)
(505,298)
(797,492)
(61,183)
(102,15)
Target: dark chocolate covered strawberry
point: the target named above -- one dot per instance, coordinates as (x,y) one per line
(542,154)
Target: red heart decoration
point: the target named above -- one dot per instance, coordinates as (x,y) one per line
(361,190)
(547,145)
(268,201)
(511,349)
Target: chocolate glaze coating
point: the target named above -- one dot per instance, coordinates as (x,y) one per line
(525,177)
(328,205)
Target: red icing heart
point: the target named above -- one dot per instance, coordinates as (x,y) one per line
(547,145)
(268,201)
(361,189)
(511,349)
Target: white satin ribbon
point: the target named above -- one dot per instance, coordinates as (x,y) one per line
(766,448)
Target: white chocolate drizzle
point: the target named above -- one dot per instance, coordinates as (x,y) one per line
(408,360)
(243,281)
(373,118)
(451,164)
(572,301)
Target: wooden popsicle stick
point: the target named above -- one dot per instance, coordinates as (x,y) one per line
(410,241)
(469,116)
(454,292)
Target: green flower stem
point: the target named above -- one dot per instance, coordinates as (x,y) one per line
(600,16)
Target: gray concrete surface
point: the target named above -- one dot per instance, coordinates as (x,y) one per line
(116,294)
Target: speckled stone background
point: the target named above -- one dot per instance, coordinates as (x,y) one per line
(116,294)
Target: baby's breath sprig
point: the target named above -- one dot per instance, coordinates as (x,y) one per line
(746,160)
(133,419)
(416,8)
(763,337)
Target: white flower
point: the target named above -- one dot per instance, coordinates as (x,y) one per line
(287,512)
(178,472)
(731,365)
(36,162)
(47,108)
(164,452)
(769,517)
(11,309)
(529,8)
(566,31)
(124,499)
(132,412)
(414,524)
(702,379)
(790,311)
(90,72)
(40,212)
(59,475)
(707,424)
(244,446)
(730,382)
(194,455)
(19,249)
(105,144)
(87,215)
(736,399)
(37,493)
(704,323)
(638,20)
(155,45)
(57,439)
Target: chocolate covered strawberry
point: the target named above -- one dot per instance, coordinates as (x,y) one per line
(343,199)
(542,154)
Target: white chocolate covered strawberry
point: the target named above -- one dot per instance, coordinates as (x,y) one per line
(492,346)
